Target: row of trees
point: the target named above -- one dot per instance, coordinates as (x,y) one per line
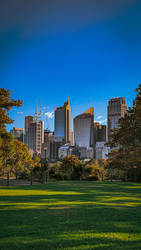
(125,161)
(71,168)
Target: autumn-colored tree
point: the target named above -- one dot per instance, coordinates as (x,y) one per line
(71,168)
(94,170)
(22,159)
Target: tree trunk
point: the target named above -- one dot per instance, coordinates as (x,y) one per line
(31,177)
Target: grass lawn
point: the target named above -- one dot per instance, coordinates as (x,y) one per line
(71,215)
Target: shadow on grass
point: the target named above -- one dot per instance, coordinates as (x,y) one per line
(73,215)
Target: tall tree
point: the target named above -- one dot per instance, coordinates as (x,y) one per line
(6,139)
(128,138)
(22,159)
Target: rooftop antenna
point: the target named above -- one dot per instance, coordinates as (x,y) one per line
(38,114)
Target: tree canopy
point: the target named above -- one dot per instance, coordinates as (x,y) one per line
(128,139)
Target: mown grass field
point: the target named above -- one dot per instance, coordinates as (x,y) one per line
(71,215)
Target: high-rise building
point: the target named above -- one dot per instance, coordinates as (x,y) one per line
(28,120)
(17,133)
(99,132)
(83,129)
(36,136)
(116,109)
(63,123)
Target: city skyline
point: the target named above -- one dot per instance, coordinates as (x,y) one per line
(48,116)
(87,50)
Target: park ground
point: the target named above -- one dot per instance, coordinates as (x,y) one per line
(71,215)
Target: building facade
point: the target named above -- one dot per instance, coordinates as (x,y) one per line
(28,120)
(63,131)
(99,132)
(83,129)
(102,150)
(117,108)
(36,136)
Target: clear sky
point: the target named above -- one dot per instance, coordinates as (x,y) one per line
(89,50)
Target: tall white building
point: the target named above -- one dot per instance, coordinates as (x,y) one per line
(83,129)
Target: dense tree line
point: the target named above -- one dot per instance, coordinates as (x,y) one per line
(124,162)
(71,168)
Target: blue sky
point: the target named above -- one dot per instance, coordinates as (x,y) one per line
(87,50)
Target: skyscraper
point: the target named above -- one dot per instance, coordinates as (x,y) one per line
(34,133)
(83,129)
(99,132)
(28,120)
(116,109)
(63,123)
(36,136)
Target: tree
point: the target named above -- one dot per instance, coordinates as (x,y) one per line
(6,139)
(71,168)
(128,140)
(94,170)
(22,159)
(5,106)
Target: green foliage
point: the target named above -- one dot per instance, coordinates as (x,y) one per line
(5,105)
(128,139)
(22,160)
(94,170)
(71,168)
(14,155)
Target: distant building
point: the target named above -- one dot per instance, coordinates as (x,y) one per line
(102,150)
(83,129)
(17,133)
(36,136)
(50,147)
(63,131)
(67,149)
(64,150)
(28,121)
(99,132)
(84,134)
(117,109)
(86,153)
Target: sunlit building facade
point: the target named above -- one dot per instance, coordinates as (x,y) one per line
(83,129)
(63,131)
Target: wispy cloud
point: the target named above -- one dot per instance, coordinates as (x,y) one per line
(102,121)
(50,115)
(99,117)
(20,112)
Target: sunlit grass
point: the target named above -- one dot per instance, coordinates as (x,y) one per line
(71,215)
